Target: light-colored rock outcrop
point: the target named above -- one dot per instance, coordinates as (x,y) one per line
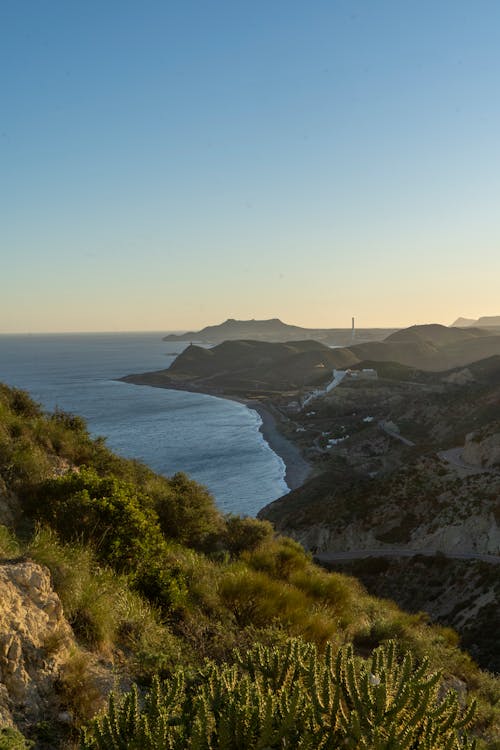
(476,534)
(460,377)
(35,639)
(482,450)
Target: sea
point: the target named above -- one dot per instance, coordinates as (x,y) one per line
(213,440)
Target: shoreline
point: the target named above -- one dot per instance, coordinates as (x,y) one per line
(297,469)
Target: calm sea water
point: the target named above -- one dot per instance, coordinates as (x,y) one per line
(215,441)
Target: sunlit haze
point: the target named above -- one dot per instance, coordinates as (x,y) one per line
(167,165)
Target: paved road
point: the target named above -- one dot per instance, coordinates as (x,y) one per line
(359,554)
(395,435)
(453,456)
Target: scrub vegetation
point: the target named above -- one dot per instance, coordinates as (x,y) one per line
(169,592)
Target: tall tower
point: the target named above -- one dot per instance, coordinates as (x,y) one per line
(352,331)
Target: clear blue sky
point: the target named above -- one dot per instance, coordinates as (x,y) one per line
(165,165)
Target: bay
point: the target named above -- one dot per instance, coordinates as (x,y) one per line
(215,441)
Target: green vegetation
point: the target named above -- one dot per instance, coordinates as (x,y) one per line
(290,697)
(154,580)
(11,739)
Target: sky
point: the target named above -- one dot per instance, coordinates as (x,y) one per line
(167,165)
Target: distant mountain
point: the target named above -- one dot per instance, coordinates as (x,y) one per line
(464,322)
(274,330)
(491,321)
(242,329)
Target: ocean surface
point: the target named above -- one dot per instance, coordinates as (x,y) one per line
(215,441)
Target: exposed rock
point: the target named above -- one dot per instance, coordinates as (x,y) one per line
(35,639)
(482,450)
(478,533)
(461,377)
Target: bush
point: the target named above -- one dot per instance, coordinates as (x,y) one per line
(245,534)
(79,689)
(11,739)
(290,697)
(106,513)
(280,558)
(103,610)
(9,546)
(187,514)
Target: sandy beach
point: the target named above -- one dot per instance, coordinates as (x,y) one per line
(297,469)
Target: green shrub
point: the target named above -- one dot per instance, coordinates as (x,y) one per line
(11,739)
(290,697)
(187,513)
(105,512)
(245,534)
(79,690)
(279,557)
(102,609)
(9,546)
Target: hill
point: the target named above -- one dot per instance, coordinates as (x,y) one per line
(438,490)
(458,593)
(248,366)
(251,366)
(431,347)
(153,579)
(274,330)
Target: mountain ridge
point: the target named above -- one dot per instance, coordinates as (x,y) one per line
(274,330)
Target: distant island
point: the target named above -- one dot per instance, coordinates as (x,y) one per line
(274,330)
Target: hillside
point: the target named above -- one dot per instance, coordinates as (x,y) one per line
(249,366)
(255,368)
(461,594)
(376,492)
(153,579)
(413,488)
(274,330)
(431,347)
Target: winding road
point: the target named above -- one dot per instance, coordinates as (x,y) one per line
(453,456)
(360,554)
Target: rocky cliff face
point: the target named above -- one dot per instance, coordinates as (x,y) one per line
(424,505)
(35,640)
(478,533)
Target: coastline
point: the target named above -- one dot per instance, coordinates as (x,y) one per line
(297,469)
